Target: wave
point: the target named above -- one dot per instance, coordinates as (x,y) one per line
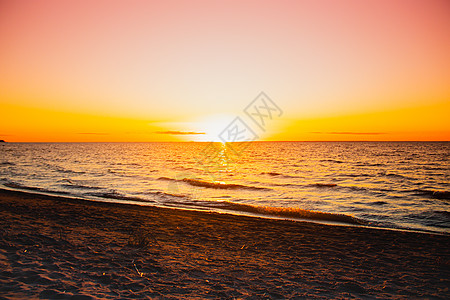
(357,175)
(356,188)
(271,173)
(339,187)
(166,178)
(213,185)
(393,175)
(435,218)
(80,186)
(363,164)
(434,168)
(111,194)
(287,184)
(378,203)
(332,160)
(441,195)
(127,164)
(171,195)
(219,185)
(276,174)
(323,185)
(7,163)
(63,170)
(288,212)
(16,185)
(442,212)
(117,196)
(20,186)
(65,180)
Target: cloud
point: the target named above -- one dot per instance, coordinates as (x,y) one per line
(349,133)
(175,132)
(93,133)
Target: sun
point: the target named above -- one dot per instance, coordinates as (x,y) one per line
(212,126)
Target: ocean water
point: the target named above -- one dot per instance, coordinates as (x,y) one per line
(387,184)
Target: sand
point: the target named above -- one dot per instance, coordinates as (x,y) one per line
(55,247)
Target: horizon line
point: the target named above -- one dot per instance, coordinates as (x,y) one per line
(280,141)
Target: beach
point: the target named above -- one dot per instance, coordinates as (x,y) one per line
(62,248)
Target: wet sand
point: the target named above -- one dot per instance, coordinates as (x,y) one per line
(56,247)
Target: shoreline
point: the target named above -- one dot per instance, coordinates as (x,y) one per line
(55,246)
(132,203)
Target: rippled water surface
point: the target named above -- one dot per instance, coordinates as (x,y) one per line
(389,184)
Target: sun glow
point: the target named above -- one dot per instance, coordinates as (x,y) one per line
(212,126)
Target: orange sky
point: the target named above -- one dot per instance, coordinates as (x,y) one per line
(151,70)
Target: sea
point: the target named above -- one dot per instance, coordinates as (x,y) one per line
(397,185)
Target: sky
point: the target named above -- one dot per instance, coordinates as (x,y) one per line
(123,71)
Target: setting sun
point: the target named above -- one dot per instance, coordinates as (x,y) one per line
(212,126)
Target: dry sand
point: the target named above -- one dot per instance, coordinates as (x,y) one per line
(53,247)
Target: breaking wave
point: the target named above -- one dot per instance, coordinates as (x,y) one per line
(117,196)
(15,185)
(288,212)
(213,185)
(219,185)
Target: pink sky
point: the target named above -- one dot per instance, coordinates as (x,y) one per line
(172,60)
